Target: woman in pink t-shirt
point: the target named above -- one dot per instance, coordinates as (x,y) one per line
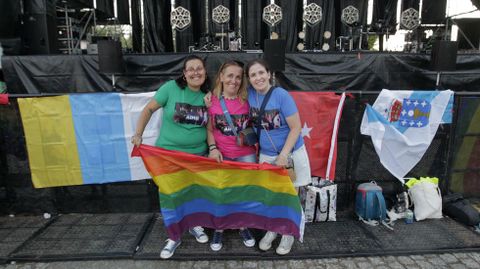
(230,85)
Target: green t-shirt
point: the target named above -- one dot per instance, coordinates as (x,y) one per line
(184,119)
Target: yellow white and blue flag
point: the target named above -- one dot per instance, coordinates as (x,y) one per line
(85,138)
(402,124)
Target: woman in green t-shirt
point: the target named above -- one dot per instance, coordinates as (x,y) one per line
(184,122)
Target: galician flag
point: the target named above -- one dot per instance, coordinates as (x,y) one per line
(402,124)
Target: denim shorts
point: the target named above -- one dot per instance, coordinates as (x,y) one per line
(252,158)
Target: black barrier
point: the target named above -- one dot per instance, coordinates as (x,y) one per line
(451,156)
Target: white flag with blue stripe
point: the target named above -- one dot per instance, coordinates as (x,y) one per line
(402,124)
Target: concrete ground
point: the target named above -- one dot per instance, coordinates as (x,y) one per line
(434,261)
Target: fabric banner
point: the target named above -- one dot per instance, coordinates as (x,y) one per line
(402,124)
(198,191)
(84,138)
(320,113)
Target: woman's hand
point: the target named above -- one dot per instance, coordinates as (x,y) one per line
(208,99)
(281,161)
(216,154)
(136,140)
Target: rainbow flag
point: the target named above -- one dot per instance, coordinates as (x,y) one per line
(84,138)
(198,191)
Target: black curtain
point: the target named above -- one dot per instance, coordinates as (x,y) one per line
(158,31)
(384,17)
(291,23)
(254,30)
(136,26)
(123,12)
(314,34)
(190,35)
(9,19)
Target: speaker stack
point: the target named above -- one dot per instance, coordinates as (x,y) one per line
(444,55)
(39,30)
(110,57)
(274,54)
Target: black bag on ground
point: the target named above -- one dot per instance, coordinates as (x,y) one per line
(460,209)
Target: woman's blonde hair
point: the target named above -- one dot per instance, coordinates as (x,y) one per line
(218,88)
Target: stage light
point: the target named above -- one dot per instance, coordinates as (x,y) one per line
(312,14)
(220,14)
(300,46)
(325,47)
(301,35)
(410,19)
(272,15)
(327,34)
(350,16)
(180,18)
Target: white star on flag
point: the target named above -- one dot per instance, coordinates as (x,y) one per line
(306,130)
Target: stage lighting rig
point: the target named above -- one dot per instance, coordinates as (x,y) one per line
(180,18)
(410,19)
(312,14)
(272,15)
(350,16)
(220,14)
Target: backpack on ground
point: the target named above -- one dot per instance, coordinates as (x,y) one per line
(370,204)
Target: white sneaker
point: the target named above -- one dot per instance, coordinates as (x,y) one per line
(199,234)
(169,248)
(285,244)
(266,242)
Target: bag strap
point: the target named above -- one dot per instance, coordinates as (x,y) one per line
(227,115)
(317,205)
(262,111)
(382,213)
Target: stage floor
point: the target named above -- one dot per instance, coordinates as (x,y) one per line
(141,236)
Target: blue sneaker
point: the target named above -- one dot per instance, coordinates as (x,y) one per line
(169,248)
(199,234)
(216,243)
(247,237)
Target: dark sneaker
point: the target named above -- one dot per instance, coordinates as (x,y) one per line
(216,243)
(247,237)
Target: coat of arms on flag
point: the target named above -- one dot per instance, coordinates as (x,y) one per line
(402,124)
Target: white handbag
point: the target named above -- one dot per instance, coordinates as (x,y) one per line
(321,203)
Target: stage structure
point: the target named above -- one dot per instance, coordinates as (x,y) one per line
(67,26)
(312,16)
(180,19)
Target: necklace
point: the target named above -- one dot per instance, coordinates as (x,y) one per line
(230,97)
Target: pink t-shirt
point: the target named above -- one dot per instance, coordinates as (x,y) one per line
(224,137)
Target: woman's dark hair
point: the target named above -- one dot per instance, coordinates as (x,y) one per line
(182,82)
(260,62)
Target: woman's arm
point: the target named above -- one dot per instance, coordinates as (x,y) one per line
(143,120)
(213,151)
(293,122)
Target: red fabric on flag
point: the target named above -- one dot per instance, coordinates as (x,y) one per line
(318,111)
(4,99)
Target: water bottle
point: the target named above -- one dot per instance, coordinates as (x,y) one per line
(408,216)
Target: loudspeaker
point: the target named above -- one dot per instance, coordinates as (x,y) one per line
(274,54)
(39,34)
(444,55)
(110,58)
(433,11)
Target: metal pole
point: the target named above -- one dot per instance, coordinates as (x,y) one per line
(437,84)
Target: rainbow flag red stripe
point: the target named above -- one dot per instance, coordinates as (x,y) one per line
(198,191)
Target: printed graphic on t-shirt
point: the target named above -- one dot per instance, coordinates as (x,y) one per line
(271,118)
(239,121)
(188,114)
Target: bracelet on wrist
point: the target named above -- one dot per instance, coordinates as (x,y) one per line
(213,148)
